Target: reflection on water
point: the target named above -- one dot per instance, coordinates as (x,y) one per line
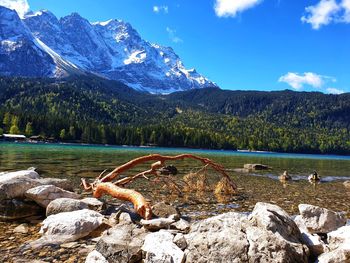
(74,162)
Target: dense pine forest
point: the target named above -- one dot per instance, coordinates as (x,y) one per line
(94,110)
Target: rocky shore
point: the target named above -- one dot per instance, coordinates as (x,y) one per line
(59,225)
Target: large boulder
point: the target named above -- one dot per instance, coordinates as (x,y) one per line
(159,247)
(220,238)
(320,220)
(274,236)
(16,209)
(44,194)
(7,176)
(70,226)
(267,235)
(61,205)
(122,243)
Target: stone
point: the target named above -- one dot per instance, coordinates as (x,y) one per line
(70,226)
(347,184)
(61,183)
(241,170)
(217,238)
(320,220)
(339,237)
(94,203)
(314,243)
(158,223)
(21,229)
(16,209)
(122,243)
(181,225)
(61,205)
(256,166)
(95,257)
(164,210)
(180,241)
(7,176)
(341,254)
(70,245)
(159,247)
(44,194)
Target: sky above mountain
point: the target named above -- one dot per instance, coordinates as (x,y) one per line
(239,44)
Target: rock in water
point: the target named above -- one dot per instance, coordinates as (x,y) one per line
(255,166)
(16,209)
(159,247)
(61,205)
(44,194)
(320,220)
(163,209)
(70,226)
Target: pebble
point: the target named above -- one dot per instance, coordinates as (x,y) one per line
(70,245)
(21,229)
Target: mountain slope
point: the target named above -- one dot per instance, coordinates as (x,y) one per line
(73,45)
(97,110)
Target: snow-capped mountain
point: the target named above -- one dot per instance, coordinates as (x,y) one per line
(41,45)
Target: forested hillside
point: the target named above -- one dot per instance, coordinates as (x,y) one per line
(95,110)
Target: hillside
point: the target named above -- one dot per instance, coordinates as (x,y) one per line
(96,110)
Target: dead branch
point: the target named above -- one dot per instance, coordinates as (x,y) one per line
(105,185)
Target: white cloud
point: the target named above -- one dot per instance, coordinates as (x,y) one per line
(157,9)
(298,81)
(172,35)
(226,8)
(326,12)
(21,6)
(335,91)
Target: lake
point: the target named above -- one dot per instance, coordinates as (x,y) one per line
(88,161)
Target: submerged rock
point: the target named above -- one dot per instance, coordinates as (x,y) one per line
(159,247)
(320,220)
(44,194)
(256,166)
(16,209)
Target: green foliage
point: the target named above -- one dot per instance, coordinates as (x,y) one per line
(93,110)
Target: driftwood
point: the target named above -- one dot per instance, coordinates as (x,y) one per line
(109,184)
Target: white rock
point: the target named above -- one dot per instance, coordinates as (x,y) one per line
(159,247)
(158,223)
(44,194)
(18,174)
(181,225)
(180,241)
(71,226)
(95,257)
(320,220)
(314,243)
(340,255)
(339,237)
(22,229)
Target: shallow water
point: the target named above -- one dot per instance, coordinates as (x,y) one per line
(76,161)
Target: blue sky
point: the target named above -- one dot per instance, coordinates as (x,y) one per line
(240,44)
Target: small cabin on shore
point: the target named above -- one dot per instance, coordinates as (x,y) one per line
(13,137)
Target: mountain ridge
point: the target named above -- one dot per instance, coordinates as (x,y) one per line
(112,49)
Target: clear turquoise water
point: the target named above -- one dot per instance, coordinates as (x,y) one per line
(76,161)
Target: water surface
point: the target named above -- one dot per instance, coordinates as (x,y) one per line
(77,161)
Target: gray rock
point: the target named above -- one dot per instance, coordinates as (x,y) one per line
(180,241)
(164,210)
(314,243)
(181,225)
(320,220)
(159,247)
(218,239)
(93,203)
(44,194)
(70,226)
(8,176)
(16,209)
(61,205)
(61,183)
(158,223)
(122,243)
(22,229)
(256,166)
(95,257)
